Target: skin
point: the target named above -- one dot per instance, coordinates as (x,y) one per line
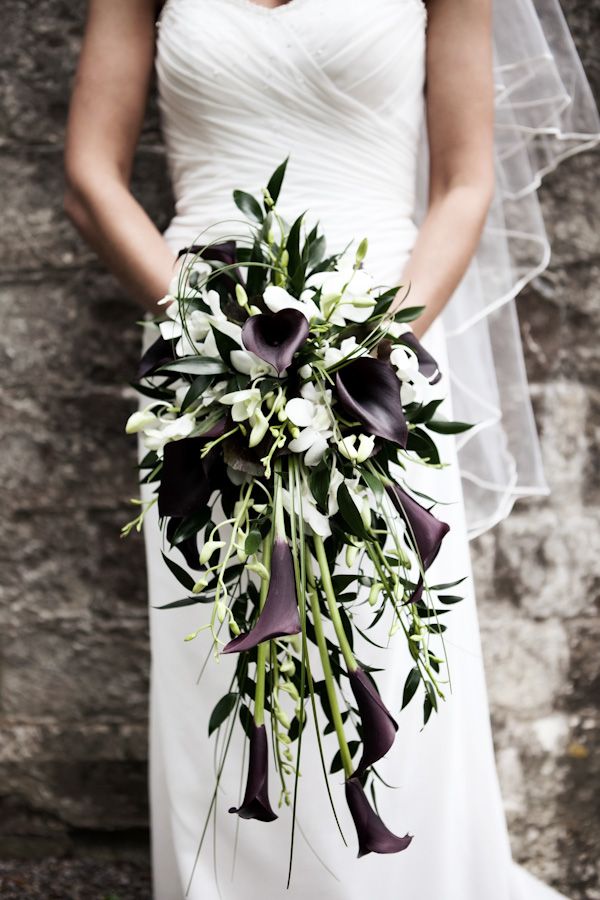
(106,114)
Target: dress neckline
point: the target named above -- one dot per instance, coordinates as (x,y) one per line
(268,10)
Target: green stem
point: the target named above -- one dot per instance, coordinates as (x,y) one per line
(329,682)
(332,604)
(262,650)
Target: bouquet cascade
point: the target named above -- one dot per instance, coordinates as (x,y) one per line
(285,401)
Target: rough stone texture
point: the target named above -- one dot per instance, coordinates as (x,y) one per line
(73,646)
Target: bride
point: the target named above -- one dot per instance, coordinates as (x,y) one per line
(427,128)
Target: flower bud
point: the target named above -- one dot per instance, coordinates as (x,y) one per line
(208,549)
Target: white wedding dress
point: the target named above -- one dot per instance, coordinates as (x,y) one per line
(338,86)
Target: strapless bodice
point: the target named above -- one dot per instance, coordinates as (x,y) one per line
(336,85)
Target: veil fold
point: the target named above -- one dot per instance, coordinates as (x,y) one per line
(545,112)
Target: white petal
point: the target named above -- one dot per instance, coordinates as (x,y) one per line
(170,330)
(299,411)
(314,454)
(303,441)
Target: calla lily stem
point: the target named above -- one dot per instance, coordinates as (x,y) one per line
(329,682)
(262,649)
(332,605)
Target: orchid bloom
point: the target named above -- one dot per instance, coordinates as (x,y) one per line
(277,298)
(311,413)
(243,403)
(166,429)
(356,454)
(307,505)
(347,348)
(346,294)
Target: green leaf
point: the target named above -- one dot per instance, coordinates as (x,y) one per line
(374,483)
(350,514)
(191,525)
(195,391)
(449,584)
(337,764)
(221,712)
(422,444)
(246,719)
(248,204)
(318,481)
(182,575)
(449,599)
(186,601)
(195,365)
(427,709)
(225,344)
(408,314)
(410,686)
(253,541)
(441,427)
(276,180)
(293,246)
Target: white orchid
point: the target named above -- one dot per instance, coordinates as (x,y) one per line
(277,298)
(311,515)
(208,396)
(332,355)
(168,428)
(405,362)
(311,413)
(140,420)
(249,363)
(197,337)
(244,403)
(356,454)
(346,294)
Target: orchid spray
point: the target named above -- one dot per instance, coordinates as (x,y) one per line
(285,403)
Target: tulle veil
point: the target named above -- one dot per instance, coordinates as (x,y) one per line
(545,112)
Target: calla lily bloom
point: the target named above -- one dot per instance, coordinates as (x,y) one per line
(369,390)
(378,727)
(158,354)
(428,531)
(427,364)
(279,616)
(373,835)
(255,804)
(275,337)
(186,484)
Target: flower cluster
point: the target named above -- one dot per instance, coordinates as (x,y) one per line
(284,386)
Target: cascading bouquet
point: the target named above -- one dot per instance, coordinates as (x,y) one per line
(284,390)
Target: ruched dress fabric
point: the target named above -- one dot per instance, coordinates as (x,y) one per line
(336,85)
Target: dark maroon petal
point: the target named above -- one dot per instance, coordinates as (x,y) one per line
(224,252)
(187,480)
(158,354)
(428,531)
(275,337)
(369,389)
(427,364)
(373,835)
(280,615)
(256,799)
(378,727)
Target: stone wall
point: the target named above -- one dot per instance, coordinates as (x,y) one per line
(73,646)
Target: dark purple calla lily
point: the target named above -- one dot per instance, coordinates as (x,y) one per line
(275,336)
(255,804)
(187,480)
(369,390)
(279,615)
(373,835)
(158,354)
(428,531)
(224,252)
(378,727)
(427,364)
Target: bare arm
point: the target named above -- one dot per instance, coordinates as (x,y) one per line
(105,119)
(459,96)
